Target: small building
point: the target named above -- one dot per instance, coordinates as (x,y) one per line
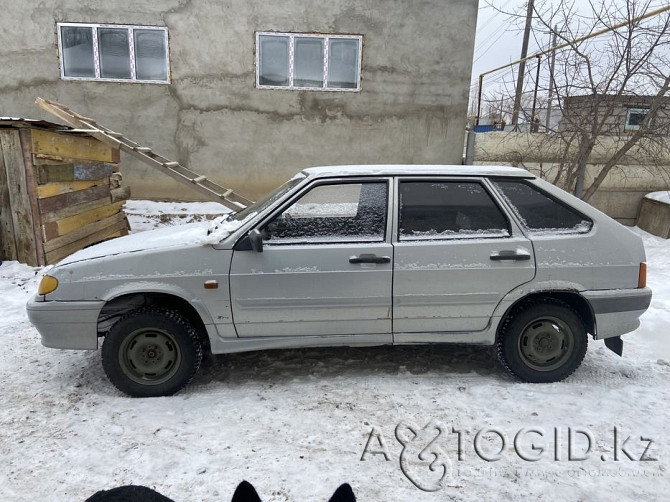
(59,192)
(247,93)
(622,115)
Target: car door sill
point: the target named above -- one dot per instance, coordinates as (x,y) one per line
(230,345)
(486,337)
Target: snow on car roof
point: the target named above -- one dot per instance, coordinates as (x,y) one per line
(415,170)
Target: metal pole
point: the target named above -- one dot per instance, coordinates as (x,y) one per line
(522,65)
(479,99)
(537,83)
(552,66)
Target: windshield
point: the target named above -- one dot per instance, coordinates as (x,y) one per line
(267,199)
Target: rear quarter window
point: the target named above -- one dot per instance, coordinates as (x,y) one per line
(539,212)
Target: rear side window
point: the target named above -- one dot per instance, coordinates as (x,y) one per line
(540,213)
(446,210)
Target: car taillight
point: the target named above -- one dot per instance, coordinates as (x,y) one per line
(642,278)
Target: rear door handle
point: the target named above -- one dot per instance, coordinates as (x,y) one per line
(509,254)
(369,258)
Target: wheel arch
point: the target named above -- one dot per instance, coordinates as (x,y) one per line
(118,305)
(570,297)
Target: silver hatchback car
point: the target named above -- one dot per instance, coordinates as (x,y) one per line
(357,255)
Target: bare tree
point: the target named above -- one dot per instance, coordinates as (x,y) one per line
(597,78)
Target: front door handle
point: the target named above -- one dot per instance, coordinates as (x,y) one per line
(509,254)
(369,258)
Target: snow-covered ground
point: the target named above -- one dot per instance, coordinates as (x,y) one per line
(296,423)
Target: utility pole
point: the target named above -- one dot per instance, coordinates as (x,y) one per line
(522,65)
(552,66)
(535,126)
(502,100)
(479,98)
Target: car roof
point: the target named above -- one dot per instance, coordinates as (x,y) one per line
(415,170)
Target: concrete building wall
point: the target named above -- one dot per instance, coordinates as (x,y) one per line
(416,64)
(623,189)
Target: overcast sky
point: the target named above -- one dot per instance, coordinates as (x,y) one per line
(499,36)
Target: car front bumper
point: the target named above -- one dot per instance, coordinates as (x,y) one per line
(65,325)
(618,311)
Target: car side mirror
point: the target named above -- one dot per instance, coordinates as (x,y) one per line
(256,240)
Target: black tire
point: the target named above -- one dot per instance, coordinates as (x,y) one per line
(542,342)
(151,351)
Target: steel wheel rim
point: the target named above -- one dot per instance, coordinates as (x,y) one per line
(545,343)
(149,356)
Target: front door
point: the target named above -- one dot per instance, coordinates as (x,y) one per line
(326,266)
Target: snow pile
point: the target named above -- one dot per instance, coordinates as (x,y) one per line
(663,196)
(146,215)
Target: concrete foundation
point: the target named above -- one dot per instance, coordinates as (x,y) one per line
(654,217)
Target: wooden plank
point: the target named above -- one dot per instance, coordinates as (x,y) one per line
(84,231)
(54,173)
(66,225)
(31,186)
(51,189)
(49,160)
(61,201)
(116,230)
(57,173)
(72,210)
(6,221)
(70,145)
(26,251)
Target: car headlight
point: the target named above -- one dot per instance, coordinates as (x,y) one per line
(48,285)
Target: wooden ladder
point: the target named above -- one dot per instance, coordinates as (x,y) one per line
(175,170)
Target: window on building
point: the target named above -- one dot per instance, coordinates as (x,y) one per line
(113,52)
(635,118)
(432,210)
(308,62)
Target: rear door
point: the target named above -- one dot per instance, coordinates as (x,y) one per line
(456,255)
(326,266)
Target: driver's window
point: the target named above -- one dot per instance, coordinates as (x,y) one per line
(345,212)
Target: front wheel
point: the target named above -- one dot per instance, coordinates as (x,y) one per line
(542,342)
(151,352)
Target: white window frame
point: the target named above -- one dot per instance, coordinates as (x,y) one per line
(325,38)
(633,127)
(131,46)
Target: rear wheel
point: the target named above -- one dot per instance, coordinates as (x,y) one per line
(542,342)
(151,352)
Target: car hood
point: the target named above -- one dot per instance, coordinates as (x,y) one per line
(194,234)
